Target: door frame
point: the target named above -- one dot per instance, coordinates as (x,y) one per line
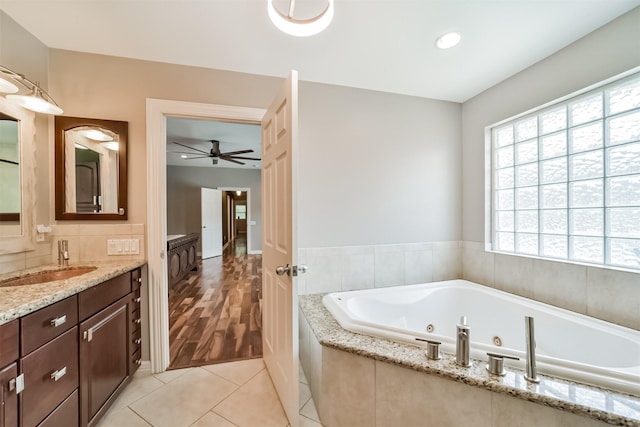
(157,111)
(249,227)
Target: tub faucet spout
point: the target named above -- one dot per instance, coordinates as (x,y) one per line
(532,371)
(462,343)
(63,252)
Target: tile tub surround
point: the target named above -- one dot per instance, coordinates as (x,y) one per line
(18,301)
(371,364)
(348,268)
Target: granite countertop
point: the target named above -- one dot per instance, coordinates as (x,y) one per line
(604,405)
(17,301)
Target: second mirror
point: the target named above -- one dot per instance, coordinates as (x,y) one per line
(91,168)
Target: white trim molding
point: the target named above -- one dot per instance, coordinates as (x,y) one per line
(157,112)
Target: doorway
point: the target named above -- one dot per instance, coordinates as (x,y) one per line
(157,112)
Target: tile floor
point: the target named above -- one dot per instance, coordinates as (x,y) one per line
(222,395)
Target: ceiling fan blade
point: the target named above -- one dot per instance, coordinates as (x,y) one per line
(190,148)
(231,160)
(198,157)
(244,158)
(233,153)
(180,152)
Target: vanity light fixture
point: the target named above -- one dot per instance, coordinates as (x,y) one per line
(37,99)
(238,192)
(300,27)
(448,40)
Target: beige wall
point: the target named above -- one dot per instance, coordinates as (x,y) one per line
(115,88)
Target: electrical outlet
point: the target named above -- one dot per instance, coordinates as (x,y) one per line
(135,246)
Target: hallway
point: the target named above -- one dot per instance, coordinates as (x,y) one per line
(214,312)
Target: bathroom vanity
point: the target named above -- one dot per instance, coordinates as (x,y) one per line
(69,350)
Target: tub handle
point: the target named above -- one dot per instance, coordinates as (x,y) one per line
(496,363)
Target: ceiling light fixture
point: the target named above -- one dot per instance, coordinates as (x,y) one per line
(238,192)
(300,27)
(448,40)
(37,99)
(183,156)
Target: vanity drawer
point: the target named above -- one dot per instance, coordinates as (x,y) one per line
(8,343)
(43,325)
(50,376)
(94,299)
(66,414)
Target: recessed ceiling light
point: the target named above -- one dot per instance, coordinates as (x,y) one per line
(448,40)
(184,156)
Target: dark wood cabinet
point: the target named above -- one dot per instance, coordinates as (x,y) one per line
(8,396)
(109,342)
(50,376)
(104,361)
(65,364)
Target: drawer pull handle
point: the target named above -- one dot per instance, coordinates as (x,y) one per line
(16,384)
(138,341)
(88,335)
(137,321)
(57,321)
(56,375)
(137,300)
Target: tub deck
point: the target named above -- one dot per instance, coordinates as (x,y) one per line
(601,404)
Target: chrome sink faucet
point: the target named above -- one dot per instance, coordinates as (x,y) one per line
(462,343)
(63,253)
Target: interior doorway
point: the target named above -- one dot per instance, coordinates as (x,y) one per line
(157,113)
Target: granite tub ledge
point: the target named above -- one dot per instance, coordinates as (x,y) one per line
(605,405)
(17,301)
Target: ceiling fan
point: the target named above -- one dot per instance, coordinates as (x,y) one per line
(215,154)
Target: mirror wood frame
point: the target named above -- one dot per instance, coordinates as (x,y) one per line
(64,123)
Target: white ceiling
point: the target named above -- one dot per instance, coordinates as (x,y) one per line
(383,45)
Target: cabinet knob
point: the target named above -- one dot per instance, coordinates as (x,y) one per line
(137,321)
(137,300)
(139,362)
(138,341)
(139,279)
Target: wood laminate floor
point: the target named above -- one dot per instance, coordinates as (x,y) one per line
(215,313)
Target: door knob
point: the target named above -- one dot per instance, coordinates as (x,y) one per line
(291,270)
(281,271)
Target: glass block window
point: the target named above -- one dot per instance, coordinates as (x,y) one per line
(566,179)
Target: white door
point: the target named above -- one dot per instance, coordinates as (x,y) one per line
(279,245)
(211,220)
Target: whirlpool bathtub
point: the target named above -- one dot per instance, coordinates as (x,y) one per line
(568,345)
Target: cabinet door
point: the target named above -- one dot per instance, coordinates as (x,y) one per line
(8,398)
(103,357)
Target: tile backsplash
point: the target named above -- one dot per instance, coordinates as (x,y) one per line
(86,243)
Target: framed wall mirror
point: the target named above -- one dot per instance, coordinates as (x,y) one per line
(17,178)
(91,169)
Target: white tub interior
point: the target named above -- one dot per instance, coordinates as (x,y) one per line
(568,344)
